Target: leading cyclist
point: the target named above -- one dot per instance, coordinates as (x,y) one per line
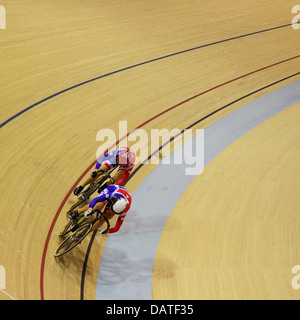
(123,157)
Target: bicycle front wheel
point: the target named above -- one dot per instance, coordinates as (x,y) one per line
(73,240)
(72,225)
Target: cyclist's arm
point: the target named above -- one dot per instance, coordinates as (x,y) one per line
(123,178)
(103,158)
(101,198)
(118,224)
(122,175)
(117,178)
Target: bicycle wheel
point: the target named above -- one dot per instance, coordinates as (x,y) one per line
(73,240)
(72,225)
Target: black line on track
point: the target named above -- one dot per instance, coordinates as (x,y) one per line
(138,65)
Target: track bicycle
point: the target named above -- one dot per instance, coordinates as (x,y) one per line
(80,230)
(84,196)
(93,187)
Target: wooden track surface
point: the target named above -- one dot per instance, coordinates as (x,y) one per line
(241,221)
(52,46)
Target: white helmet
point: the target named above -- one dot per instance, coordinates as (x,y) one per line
(119,206)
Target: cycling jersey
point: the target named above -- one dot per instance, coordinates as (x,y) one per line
(107,196)
(110,161)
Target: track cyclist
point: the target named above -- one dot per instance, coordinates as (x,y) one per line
(123,157)
(114,199)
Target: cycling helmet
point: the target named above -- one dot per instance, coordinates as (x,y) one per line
(126,157)
(119,206)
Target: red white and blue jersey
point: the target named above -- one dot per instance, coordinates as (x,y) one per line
(111,160)
(111,193)
(107,196)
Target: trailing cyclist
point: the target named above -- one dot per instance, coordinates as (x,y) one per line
(114,200)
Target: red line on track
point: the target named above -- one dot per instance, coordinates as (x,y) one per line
(121,139)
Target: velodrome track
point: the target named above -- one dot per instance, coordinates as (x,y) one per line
(70,69)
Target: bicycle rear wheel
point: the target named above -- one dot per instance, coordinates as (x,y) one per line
(73,240)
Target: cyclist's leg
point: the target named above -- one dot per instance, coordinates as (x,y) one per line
(80,211)
(117,177)
(121,177)
(105,166)
(108,214)
(76,213)
(83,209)
(99,206)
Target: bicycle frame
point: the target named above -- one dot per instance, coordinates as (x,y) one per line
(100,215)
(92,188)
(74,239)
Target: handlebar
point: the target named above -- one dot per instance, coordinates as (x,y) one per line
(108,174)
